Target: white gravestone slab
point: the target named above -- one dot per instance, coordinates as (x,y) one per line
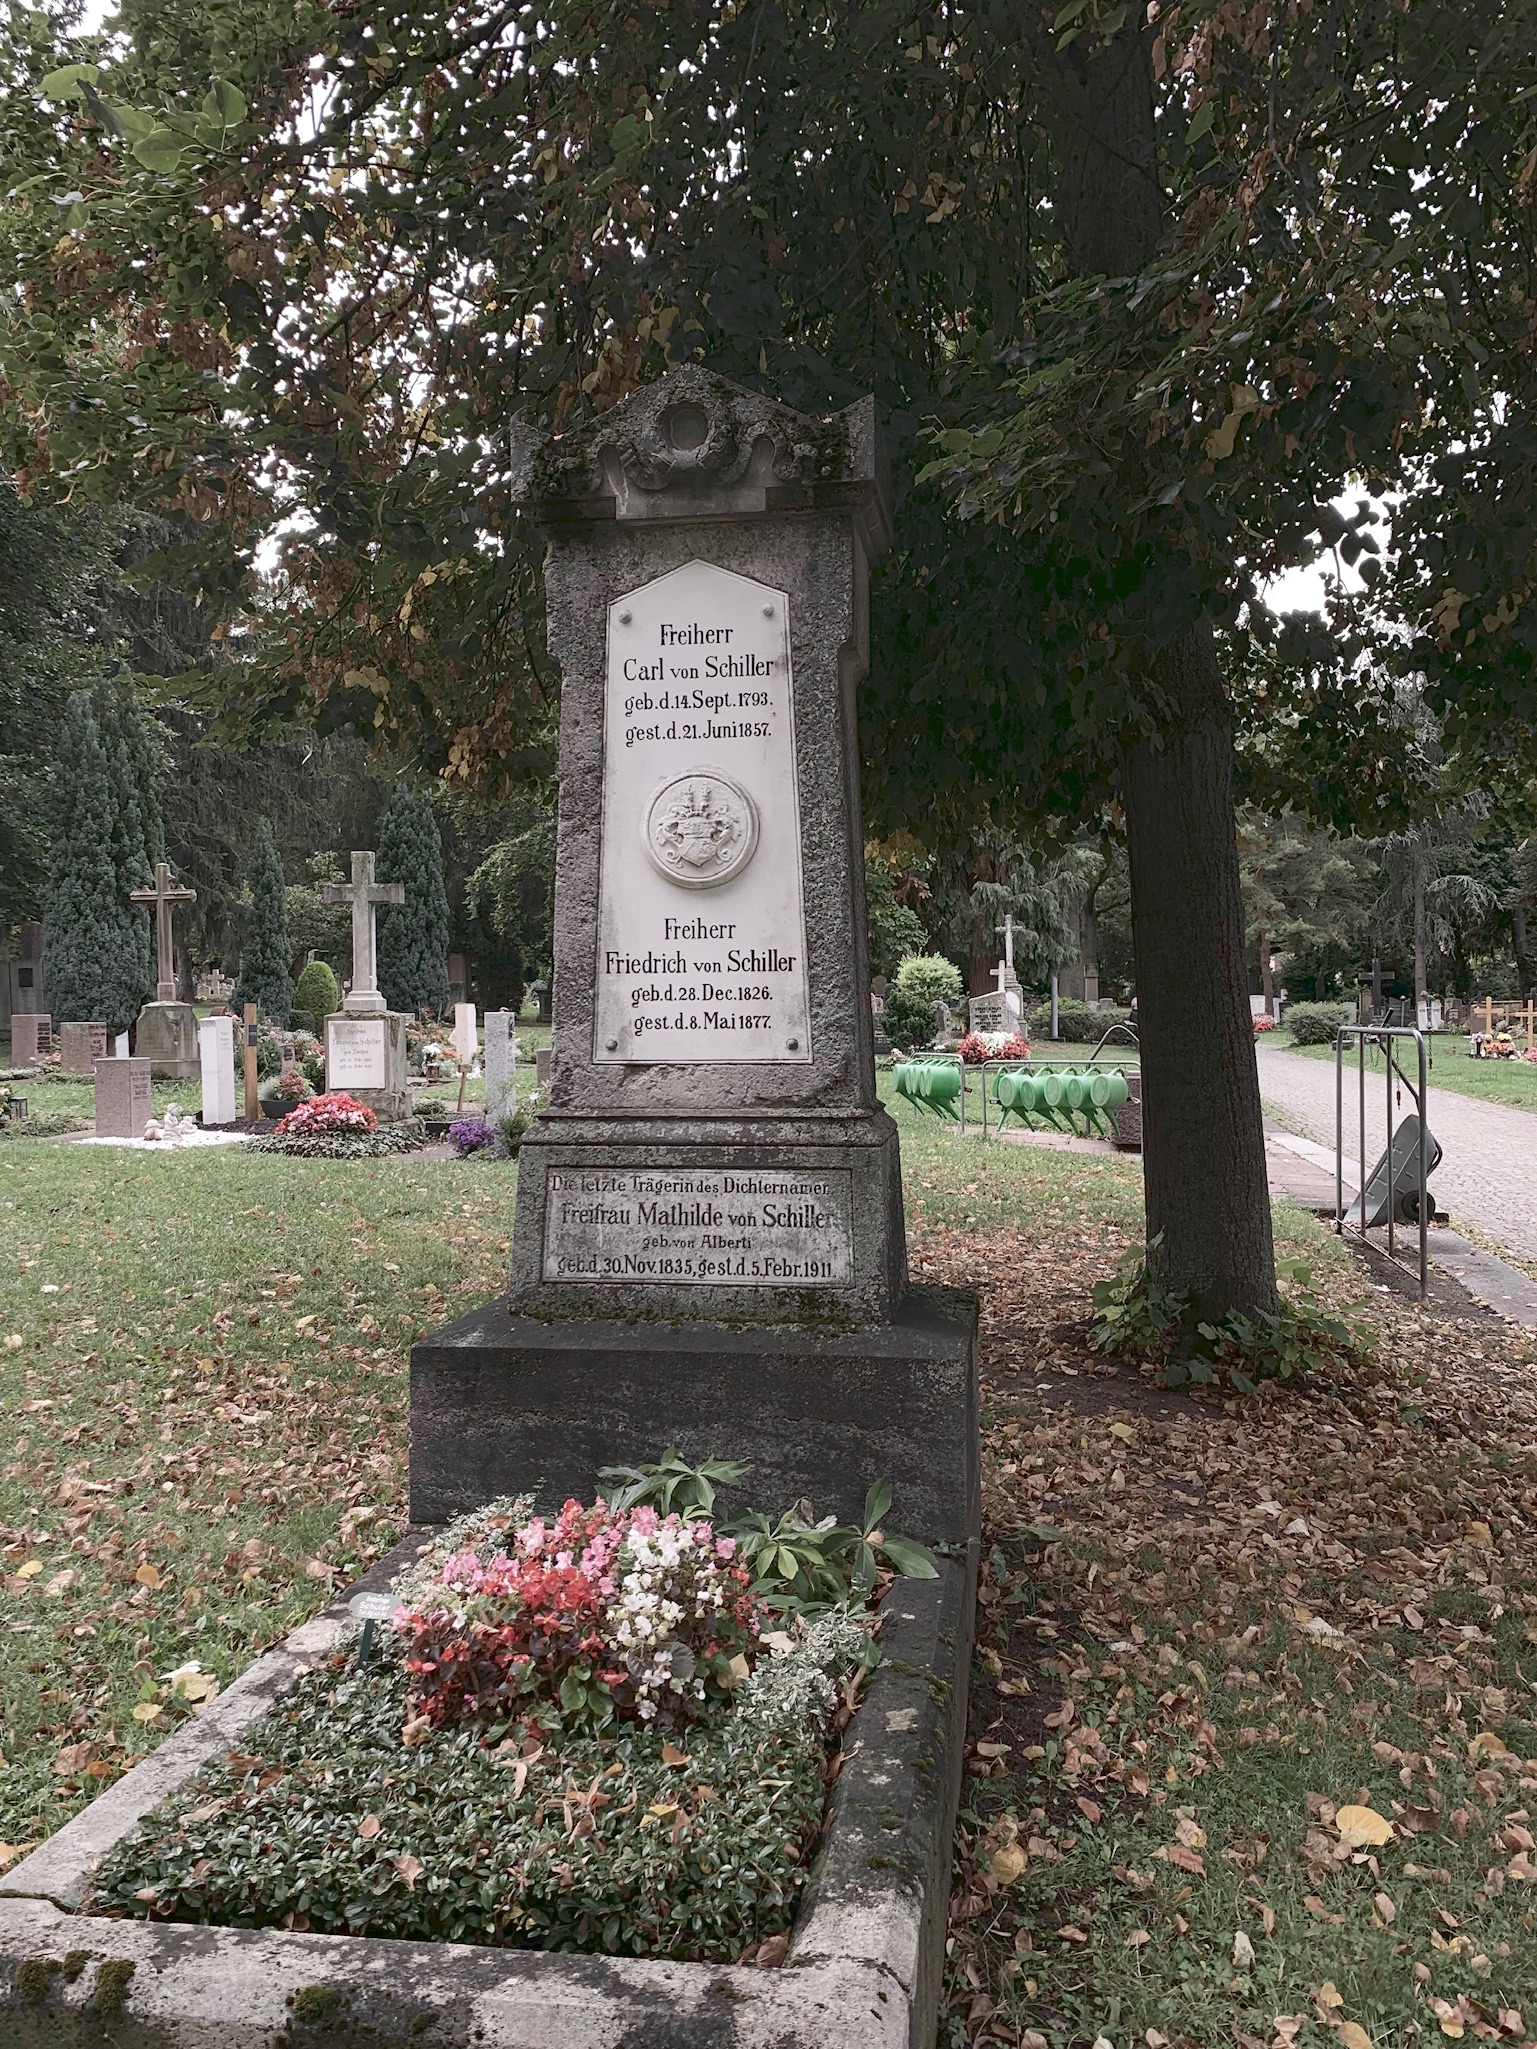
(701,921)
(216,1058)
(707,1225)
(356,1055)
(464,1034)
(501,1065)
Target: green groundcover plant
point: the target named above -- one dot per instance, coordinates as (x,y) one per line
(602,1731)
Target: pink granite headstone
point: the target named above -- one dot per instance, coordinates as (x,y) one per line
(124,1102)
(31,1036)
(81,1046)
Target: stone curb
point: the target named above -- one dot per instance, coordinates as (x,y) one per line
(863,1972)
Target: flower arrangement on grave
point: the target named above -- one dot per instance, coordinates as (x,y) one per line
(634,1702)
(329,1115)
(294,1087)
(470,1135)
(1262,1023)
(979,1046)
(602,1615)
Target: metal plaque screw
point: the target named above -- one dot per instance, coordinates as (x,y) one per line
(611,1045)
(768,611)
(793,1044)
(625,618)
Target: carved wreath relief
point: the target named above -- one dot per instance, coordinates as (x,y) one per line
(701,829)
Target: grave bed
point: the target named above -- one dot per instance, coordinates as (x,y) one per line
(866,1947)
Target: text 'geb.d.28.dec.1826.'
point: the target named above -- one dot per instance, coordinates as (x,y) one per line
(701,922)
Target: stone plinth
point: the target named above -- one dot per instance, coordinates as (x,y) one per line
(497,1397)
(166,1036)
(31,1036)
(366,1057)
(81,1046)
(124,1098)
(501,1057)
(216,1061)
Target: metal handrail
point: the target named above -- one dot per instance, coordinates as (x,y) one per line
(1382,1035)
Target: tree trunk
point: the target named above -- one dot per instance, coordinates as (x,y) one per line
(1524,975)
(1203,1143)
(1419,949)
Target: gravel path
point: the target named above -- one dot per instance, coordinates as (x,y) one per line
(1488,1177)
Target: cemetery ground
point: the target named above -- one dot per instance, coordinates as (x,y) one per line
(1452,1067)
(1250,1703)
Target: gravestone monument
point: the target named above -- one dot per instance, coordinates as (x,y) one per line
(501,1058)
(989,1013)
(124,1098)
(708,1248)
(81,1046)
(166,1032)
(365,1039)
(466,1042)
(31,1036)
(216,1058)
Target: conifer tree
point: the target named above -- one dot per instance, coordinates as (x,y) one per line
(264,976)
(134,764)
(93,957)
(413,936)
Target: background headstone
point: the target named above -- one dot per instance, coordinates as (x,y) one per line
(465,1042)
(165,1034)
(989,1013)
(544,1059)
(124,1098)
(366,1041)
(81,1046)
(216,1057)
(31,1036)
(501,1056)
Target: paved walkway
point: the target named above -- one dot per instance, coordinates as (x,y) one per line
(1488,1177)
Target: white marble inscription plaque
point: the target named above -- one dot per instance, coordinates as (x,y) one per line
(356,1053)
(722,1226)
(701,923)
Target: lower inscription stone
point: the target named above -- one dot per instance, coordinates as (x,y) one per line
(356,1053)
(705,1225)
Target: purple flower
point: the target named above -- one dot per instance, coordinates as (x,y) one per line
(470,1135)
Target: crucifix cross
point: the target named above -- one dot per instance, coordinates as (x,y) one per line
(1002,974)
(1007,929)
(364,895)
(162,896)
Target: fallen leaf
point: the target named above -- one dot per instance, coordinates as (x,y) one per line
(1125,1431)
(148,1711)
(1093,1813)
(1190,1833)
(1353,2036)
(1360,1826)
(1329,1995)
(1007,1864)
(772,1952)
(59,1584)
(148,1576)
(1486,1745)
(74,1757)
(1071,1934)
(410,1869)
(1137,1937)
(1480,1534)
(369,1827)
(31,1569)
(671,1754)
(1243,1951)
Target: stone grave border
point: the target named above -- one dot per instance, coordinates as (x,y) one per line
(866,1949)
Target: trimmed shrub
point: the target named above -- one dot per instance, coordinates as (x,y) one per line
(909,1019)
(413,936)
(929,976)
(316,997)
(1315,1024)
(264,976)
(93,950)
(1078,1023)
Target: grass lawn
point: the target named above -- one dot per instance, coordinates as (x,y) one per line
(1451,1067)
(1206,1628)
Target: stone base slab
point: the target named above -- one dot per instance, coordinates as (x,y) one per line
(866,1950)
(501,1404)
(166,1036)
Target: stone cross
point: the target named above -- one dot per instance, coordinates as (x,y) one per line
(1007,929)
(364,895)
(162,896)
(1001,974)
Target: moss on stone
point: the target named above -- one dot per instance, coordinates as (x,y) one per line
(316,2003)
(110,1993)
(34,1979)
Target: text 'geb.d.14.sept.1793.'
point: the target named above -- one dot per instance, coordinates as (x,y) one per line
(701,921)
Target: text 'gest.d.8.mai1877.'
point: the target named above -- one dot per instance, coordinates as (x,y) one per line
(701,923)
